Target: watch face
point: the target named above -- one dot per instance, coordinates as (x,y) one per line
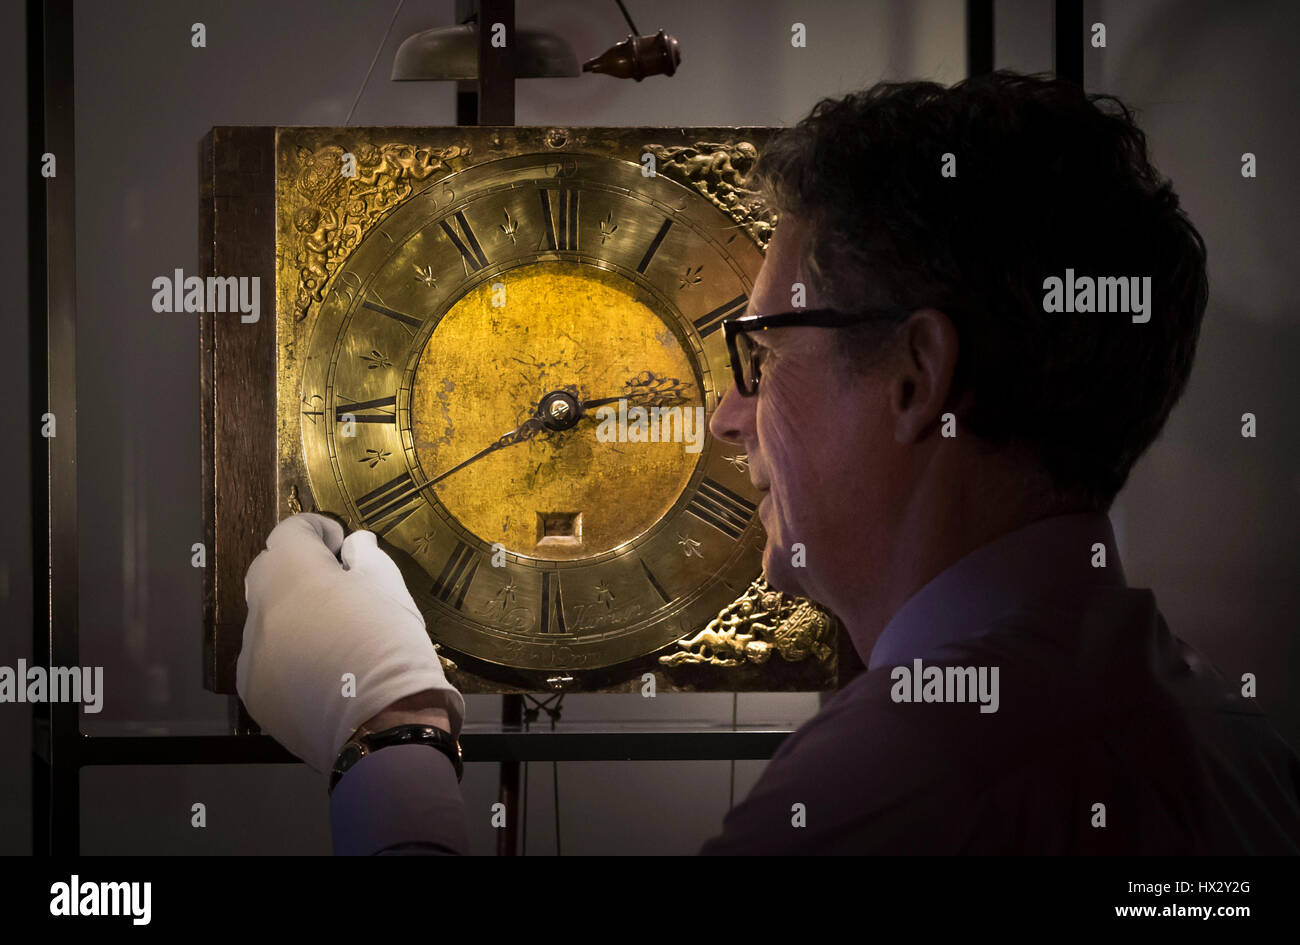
(509,380)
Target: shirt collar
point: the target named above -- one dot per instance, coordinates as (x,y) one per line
(1049,559)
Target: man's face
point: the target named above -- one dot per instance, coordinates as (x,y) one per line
(819,444)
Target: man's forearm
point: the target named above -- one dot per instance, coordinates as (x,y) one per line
(403,798)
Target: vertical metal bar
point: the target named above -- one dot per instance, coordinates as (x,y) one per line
(467,89)
(512,713)
(979,37)
(38,390)
(491,101)
(52,228)
(1068,40)
(467,102)
(496,64)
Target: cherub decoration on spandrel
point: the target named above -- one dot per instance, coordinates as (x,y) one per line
(755,624)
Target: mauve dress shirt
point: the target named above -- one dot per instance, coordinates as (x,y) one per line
(1111,736)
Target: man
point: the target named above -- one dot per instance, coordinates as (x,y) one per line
(977,312)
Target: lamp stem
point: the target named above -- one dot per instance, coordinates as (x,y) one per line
(628,17)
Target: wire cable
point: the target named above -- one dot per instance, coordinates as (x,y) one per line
(366,80)
(731,796)
(555,773)
(627,16)
(523,812)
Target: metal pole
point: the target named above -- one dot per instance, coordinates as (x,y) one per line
(979,37)
(491,101)
(496,64)
(56,727)
(1068,40)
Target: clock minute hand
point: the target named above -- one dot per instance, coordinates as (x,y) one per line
(525,431)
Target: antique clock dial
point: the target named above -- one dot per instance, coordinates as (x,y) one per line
(454,393)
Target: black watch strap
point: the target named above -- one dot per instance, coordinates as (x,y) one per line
(364,742)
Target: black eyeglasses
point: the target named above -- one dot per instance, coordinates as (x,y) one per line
(745,354)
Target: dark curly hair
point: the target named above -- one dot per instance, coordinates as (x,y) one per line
(1047,178)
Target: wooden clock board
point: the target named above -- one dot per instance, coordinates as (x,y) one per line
(497,348)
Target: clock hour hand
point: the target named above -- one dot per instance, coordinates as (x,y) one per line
(647,389)
(589,404)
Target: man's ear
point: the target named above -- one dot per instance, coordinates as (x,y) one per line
(925,358)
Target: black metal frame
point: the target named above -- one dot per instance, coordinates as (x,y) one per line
(53,283)
(59,749)
(979,36)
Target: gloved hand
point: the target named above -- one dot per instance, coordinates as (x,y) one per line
(311,620)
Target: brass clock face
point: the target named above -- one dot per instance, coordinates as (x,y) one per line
(457,387)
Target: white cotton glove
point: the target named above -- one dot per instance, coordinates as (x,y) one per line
(311,620)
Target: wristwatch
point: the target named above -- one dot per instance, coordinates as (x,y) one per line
(364,741)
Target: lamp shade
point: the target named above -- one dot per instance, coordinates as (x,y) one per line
(451,52)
